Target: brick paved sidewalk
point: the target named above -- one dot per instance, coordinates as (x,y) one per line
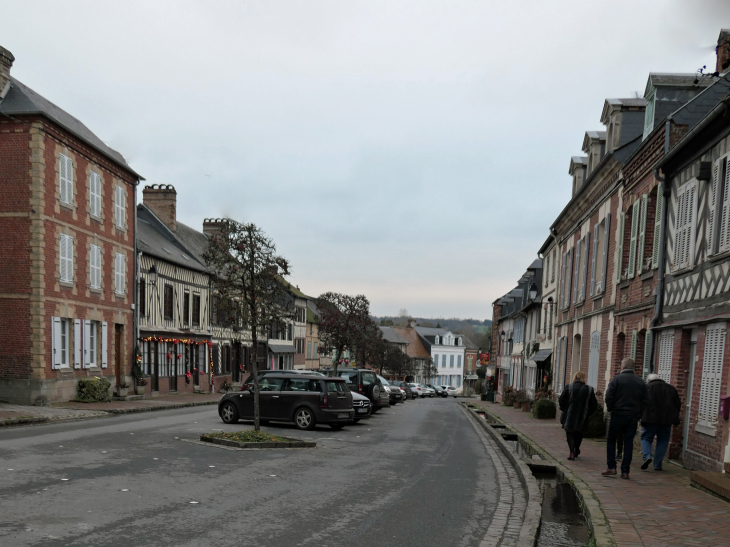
(654,508)
(161,402)
(21,414)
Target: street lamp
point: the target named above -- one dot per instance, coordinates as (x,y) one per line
(501,335)
(533,291)
(153,275)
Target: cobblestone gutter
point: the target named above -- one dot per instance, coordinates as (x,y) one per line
(517,519)
(602,535)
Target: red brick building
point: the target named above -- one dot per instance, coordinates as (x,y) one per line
(67,264)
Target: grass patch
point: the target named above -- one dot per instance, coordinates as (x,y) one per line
(249,436)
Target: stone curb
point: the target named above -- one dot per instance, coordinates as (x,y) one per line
(533,511)
(153,408)
(23,421)
(600,528)
(291,443)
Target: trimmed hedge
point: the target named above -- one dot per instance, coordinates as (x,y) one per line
(597,423)
(544,409)
(95,390)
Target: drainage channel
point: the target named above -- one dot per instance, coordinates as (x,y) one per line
(562,523)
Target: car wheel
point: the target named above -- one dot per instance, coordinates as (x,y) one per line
(374,410)
(229,414)
(337,427)
(355,420)
(304,419)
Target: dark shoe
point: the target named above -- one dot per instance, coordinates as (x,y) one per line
(609,473)
(619,455)
(645,465)
(658,469)
(571,456)
(625,476)
(577,452)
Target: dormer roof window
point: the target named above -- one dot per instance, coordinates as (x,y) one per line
(594,145)
(649,113)
(436,340)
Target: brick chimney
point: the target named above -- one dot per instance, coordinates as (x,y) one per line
(161,199)
(723,51)
(6,61)
(212,226)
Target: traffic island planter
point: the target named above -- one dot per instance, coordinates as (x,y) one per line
(285,443)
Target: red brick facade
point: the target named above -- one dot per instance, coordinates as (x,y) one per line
(32,219)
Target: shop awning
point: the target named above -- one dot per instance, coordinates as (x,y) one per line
(471,377)
(281,348)
(542,355)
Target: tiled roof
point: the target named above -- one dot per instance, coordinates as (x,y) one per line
(22,100)
(390,335)
(415,347)
(155,239)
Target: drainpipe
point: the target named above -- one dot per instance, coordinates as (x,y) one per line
(666,190)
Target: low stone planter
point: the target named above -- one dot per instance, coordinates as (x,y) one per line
(122,391)
(526,406)
(516,404)
(139,390)
(289,443)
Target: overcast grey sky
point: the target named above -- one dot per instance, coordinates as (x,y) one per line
(415,152)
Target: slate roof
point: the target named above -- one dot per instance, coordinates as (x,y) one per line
(390,335)
(470,346)
(415,348)
(22,100)
(156,239)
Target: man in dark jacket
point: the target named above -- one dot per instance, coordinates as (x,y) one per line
(658,417)
(625,399)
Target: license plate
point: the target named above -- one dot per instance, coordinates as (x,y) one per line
(362,409)
(343,415)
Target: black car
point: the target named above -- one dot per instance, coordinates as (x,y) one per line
(284,397)
(406,387)
(441,392)
(395,394)
(365,382)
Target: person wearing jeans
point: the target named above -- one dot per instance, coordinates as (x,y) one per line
(657,419)
(626,397)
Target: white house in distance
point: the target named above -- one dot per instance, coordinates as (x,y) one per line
(447,351)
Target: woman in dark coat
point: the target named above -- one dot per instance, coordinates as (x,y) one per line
(578,402)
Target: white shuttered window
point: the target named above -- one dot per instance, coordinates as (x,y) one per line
(642,235)
(95,194)
(119,206)
(66,179)
(119,271)
(66,254)
(684,224)
(711,375)
(657,228)
(664,363)
(95,266)
(635,214)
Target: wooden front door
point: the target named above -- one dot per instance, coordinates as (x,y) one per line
(118,353)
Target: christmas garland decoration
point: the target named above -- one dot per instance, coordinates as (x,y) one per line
(187,342)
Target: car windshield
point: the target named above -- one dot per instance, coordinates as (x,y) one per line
(350,376)
(383,381)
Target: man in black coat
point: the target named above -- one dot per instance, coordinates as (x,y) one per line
(626,397)
(658,417)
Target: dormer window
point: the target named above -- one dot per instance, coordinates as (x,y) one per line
(458,341)
(436,340)
(649,114)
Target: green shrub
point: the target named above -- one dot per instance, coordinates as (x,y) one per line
(597,423)
(544,409)
(94,390)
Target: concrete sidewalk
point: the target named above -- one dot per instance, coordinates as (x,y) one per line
(162,402)
(654,508)
(21,414)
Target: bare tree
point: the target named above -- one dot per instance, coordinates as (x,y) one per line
(429,370)
(343,322)
(248,285)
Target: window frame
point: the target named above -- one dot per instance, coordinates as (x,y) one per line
(165,315)
(120,209)
(186,308)
(195,319)
(95,194)
(685,221)
(95,266)
(66,179)
(120,277)
(66,258)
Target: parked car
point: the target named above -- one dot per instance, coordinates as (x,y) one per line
(406,387)
(396,395)
(451,390)
(427,391)
(440,391)
(365,382)
(417,390)
(361,406)
(305,400)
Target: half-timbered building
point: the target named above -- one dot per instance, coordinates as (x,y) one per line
(694,307)
(173,301)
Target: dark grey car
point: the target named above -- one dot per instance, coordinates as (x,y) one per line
(303,399)
(365,382)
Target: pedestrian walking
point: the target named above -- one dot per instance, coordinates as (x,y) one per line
(577,402)
(657,419)
(626,397)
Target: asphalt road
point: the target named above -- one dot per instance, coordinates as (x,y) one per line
(414,474)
